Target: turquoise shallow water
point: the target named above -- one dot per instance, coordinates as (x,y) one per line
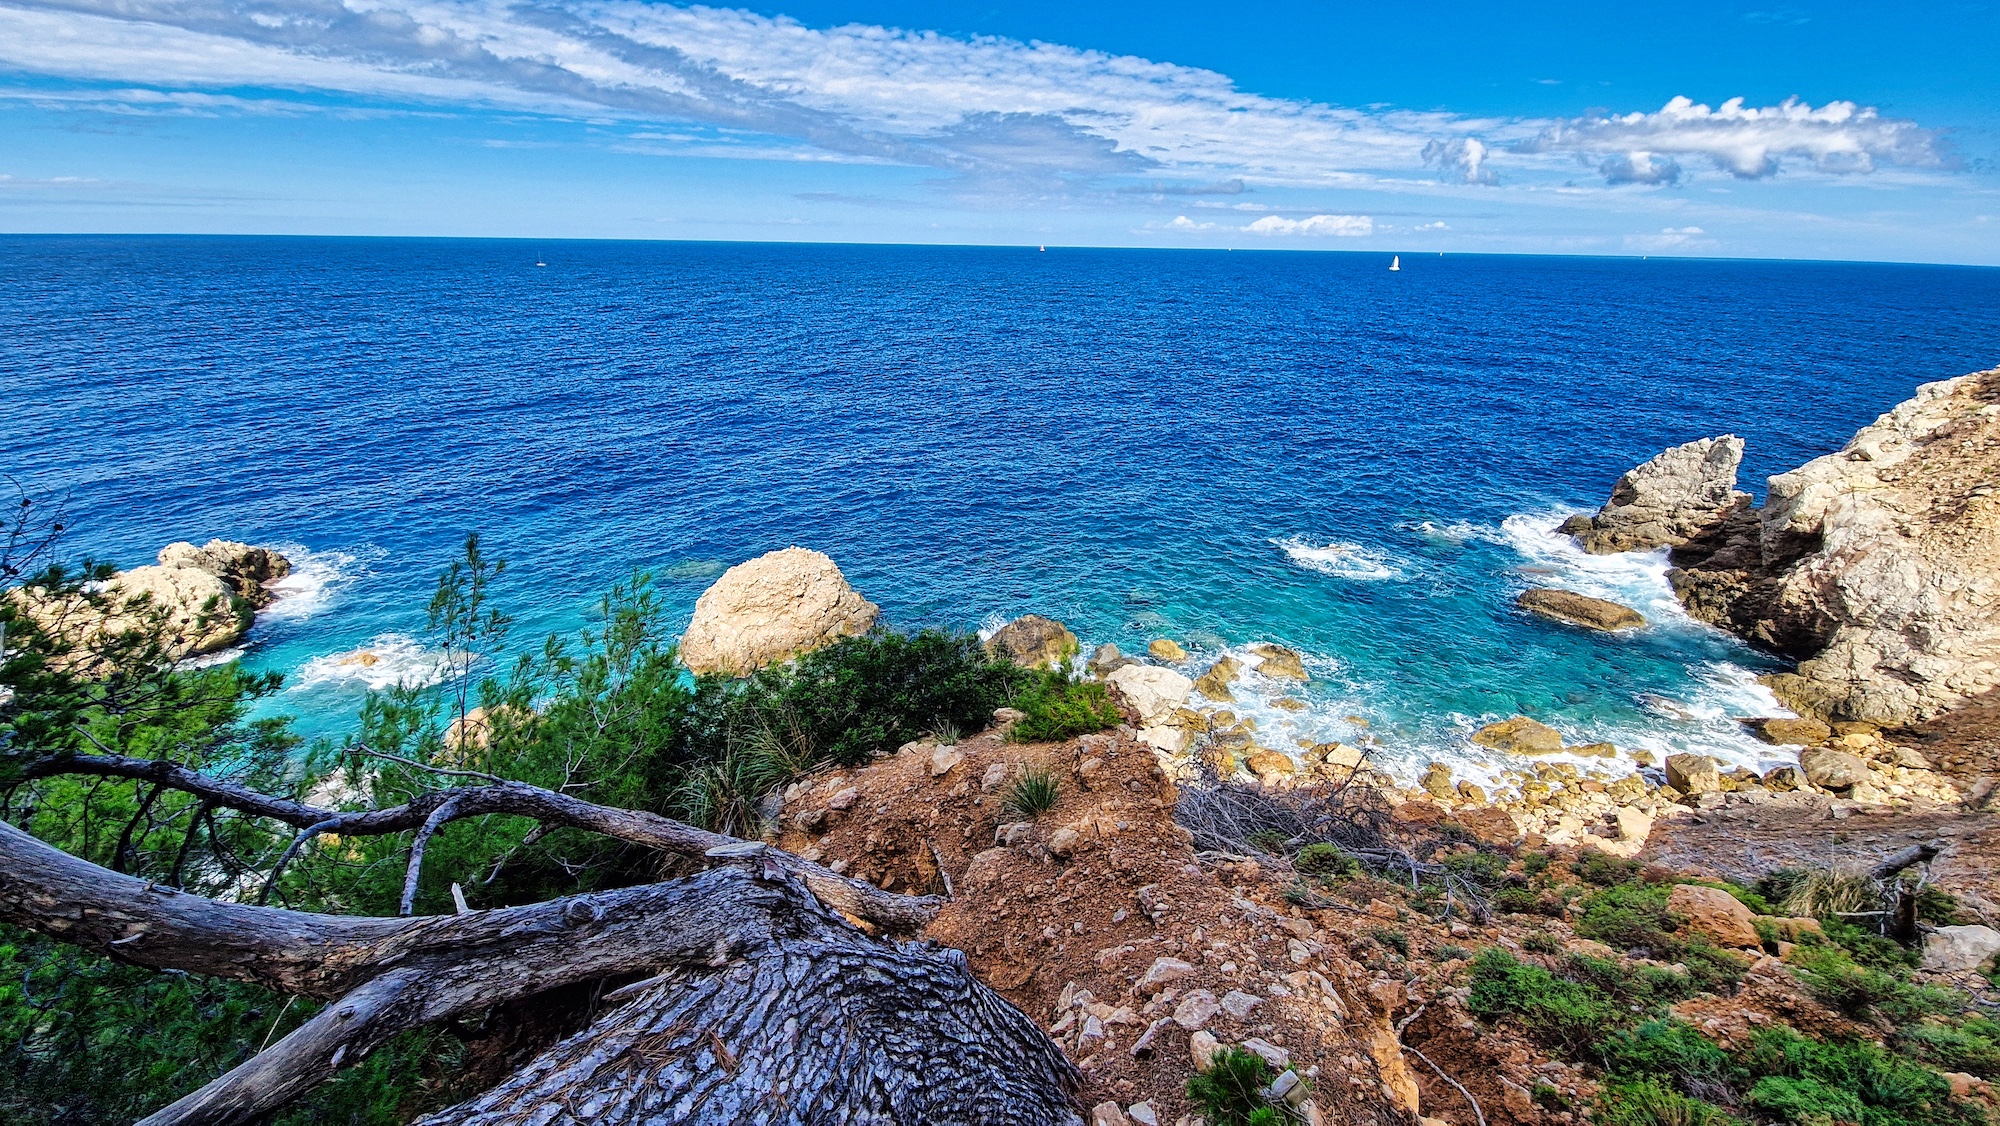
(1221,448)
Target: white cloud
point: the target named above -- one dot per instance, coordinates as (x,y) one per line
(1670,238)
(1183,223)
(1041,118)
(1317,225)
(1747,142)
(1435,225)
(1461,160)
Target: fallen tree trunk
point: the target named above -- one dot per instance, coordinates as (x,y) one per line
(764,1004)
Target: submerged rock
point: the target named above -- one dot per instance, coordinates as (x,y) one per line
(1579,610)
(771,609)
(1519,736)
(1167,649)
(1678,495)
(1279,662)
(1034,642)
(1215,683)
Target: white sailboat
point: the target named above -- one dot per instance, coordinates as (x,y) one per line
(1395,262)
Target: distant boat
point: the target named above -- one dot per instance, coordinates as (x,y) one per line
(1396,262)
(541,263)
(1045,250)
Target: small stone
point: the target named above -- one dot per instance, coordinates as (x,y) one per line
(996,776)
(845,799)
(1289,704)
(1196,1009)
(1064,842)
(1240,1004)
(1161,972)
(943,759)
(1269,765)
(1143,1114)
(1784,779)
(1437,781)
(1277,1057)
(1108,1114)
(1167,650)
(1202,1049)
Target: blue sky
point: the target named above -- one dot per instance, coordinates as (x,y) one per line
(1780,130)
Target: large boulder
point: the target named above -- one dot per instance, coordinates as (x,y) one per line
(1678,495)
(1034,642)
(1830,769)
(1576,609)
(1520,736)
(246,570)
(1279,662)
(771,609)
(1790,731)
(1152,691)
(1715,913)
(1215,683)
(1693,774)
(1954,949)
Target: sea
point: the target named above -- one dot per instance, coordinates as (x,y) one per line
(1221,448)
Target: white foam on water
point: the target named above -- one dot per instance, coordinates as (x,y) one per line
(1456,532)
(316,578)
(389,660)
(210,660)
(1341,560)
(1633,578)
(991,624)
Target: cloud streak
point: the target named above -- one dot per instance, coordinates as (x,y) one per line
(987,112)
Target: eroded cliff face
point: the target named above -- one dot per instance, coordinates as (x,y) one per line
(1877,566)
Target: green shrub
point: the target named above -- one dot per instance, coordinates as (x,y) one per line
(1674,1052)
(1541,942)
(1603,869)
(1534,863)
(1478,867)
(1230,1093)
(1561,1014)
(1839,982)
(1032,794)
(1972,1045)
(1525,901)
(1938,907)
(1633,916)
(1060,707)
(1326,860)
(1642,988)
(1809,1083)
(863,696)
(1393,939)
(1648,1103)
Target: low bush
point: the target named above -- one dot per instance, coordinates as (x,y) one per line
(1393,939)
(1060,707)
(1632,916)
(1032,794)
(1971,1045)
(1231,1092)
(1645,1102)
(1839,982)
(1603,869)
(1673,1052)
(1562,1014)
(1326,860)
(1810,1083)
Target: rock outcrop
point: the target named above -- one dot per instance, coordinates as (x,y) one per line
(1520,736)
(1877,566)
(1683,493)
(771,609)
(244,569)
(1575,609)
(196,600)
(1034,642)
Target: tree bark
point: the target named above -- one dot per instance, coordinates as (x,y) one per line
(773,1008)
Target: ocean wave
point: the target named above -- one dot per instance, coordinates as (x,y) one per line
(316,577)
(1341,560)
(210,660)
(1455,533)
(389,660)
(1632,578)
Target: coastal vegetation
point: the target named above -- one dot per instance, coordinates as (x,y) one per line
(139,764)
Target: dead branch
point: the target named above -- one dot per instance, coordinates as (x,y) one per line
(898,914)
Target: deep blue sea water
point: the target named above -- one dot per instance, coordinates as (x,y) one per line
(1217,447)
